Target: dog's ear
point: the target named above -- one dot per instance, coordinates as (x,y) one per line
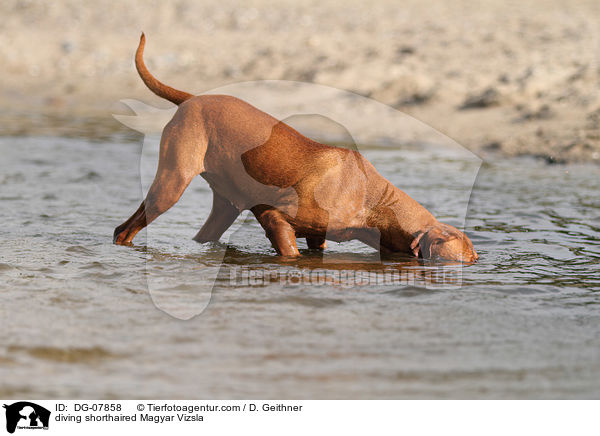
(443,241)
(414,245)
(426,242)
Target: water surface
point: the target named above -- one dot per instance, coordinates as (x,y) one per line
(78,319)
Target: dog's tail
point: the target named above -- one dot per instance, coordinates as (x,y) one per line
(151,82)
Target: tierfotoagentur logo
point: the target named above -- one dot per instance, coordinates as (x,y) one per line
(436,171)
(25,415)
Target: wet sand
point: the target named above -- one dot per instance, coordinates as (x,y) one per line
(498,77)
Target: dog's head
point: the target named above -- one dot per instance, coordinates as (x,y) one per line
(442,241)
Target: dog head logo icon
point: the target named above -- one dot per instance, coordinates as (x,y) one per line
(26,415)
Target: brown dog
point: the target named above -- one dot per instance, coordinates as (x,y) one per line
(296,187)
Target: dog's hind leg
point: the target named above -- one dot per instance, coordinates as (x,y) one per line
(121,235)
(180,160)
(278,230)
(221,217)
(164,193)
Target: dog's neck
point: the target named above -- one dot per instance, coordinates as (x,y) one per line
(395,221)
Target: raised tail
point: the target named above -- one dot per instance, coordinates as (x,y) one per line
(151,82)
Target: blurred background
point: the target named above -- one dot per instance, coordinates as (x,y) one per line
(508,77)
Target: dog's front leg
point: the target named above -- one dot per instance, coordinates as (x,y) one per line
(316,243)
(278,230)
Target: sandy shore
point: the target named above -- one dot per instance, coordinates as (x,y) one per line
(516,78)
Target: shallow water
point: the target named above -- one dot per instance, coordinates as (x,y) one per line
(79,316)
